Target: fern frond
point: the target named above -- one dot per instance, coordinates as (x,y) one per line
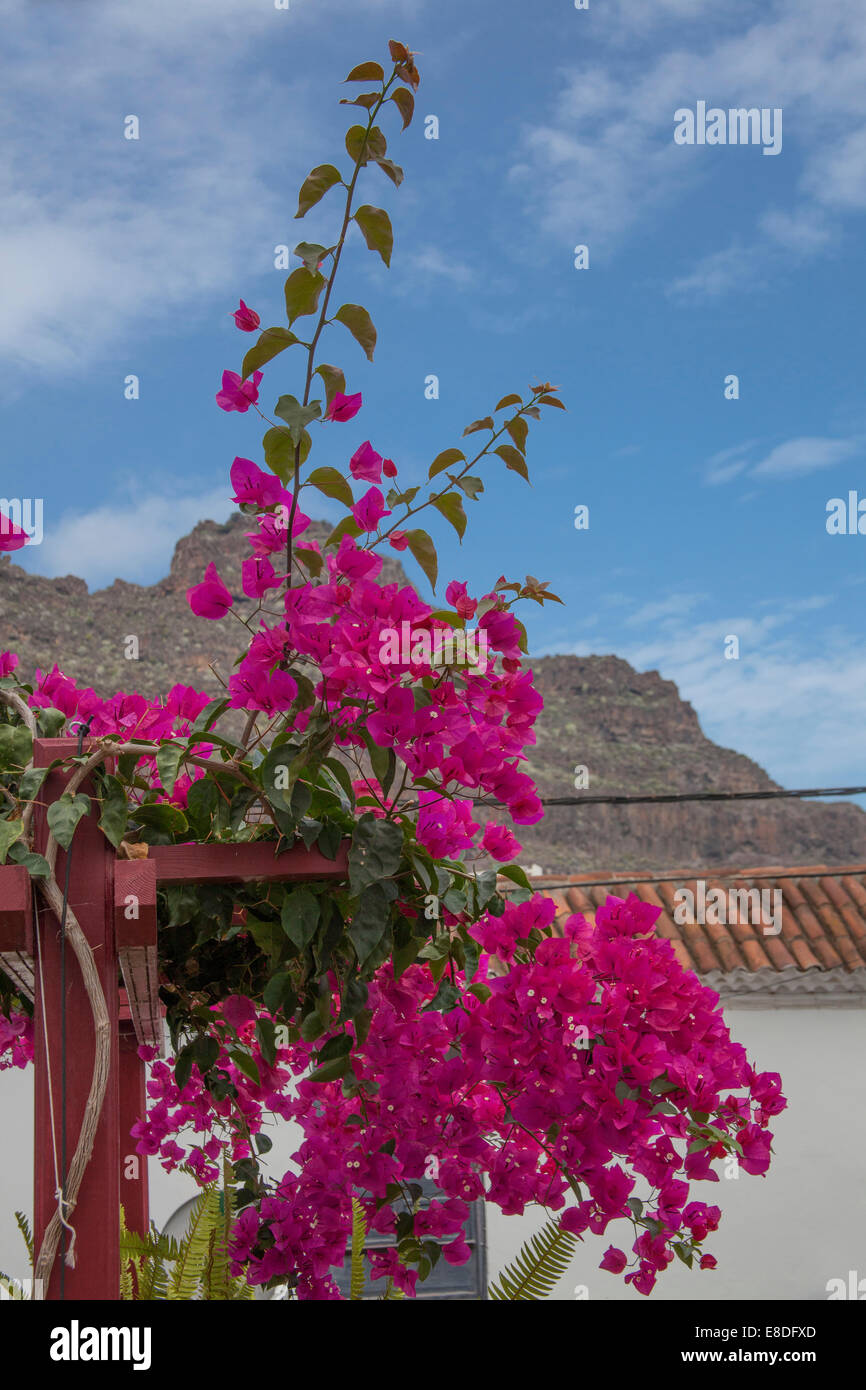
(190,1267)
(541,1263)
(359,1235)
(24,1227)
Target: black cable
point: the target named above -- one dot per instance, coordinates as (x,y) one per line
(659,797)
(83,729)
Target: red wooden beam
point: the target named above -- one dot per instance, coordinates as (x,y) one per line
(91,896)
(16,926)
(225,863)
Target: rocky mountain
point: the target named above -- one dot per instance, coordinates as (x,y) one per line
(631,731)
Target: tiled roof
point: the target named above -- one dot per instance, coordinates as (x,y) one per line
(821,945)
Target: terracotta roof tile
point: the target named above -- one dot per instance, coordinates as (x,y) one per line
(823,922)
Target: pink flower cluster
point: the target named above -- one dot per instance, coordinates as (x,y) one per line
(566,1078)
(16,1040)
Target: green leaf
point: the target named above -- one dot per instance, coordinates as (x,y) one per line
(329,841)
(115,811)
(303,288)
(50,722)
(205,1051)
(244,1062)
(451,508)
(377,847)
(161,816)
(405,103)
(347,527)
(369,921)
(10,830)
(445,460)
(363,145)
(424,552)
(445,998)
(360,325)
(16,745)
(485,424)
(315,186)
(332,483)
(35,864)
(376,227)
(266,1036)
(209,715)
(394,172)
(334,380)
(509,400)
(366,99)
(268,936)
(296,416)
(513,459)
(342,775)
(201,804)
(168,759)
(277,991)
(331,1071)
(300,917)
(64,815)
(516,874)
(367,72)
(271,342)
(310,253)
(471,486)
(279,450)
(518,429)
(30,782)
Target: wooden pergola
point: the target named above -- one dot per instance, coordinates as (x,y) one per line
(114,901)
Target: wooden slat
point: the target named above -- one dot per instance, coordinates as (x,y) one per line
(136,934)
(16,909)
(227,863)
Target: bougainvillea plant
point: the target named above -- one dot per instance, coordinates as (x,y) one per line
(424,1019)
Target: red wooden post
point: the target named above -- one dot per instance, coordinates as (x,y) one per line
(133,1104)
(91,895)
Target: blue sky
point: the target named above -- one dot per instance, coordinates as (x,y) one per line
(707,515)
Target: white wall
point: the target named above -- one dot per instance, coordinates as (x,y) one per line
(782,1236)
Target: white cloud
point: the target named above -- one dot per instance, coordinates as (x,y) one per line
(100,235)
(795,701)
(805,455)
(131,538)
(795,458)
(596,169)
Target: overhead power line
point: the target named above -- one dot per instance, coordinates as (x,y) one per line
(649,798)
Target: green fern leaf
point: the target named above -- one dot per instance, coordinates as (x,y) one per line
(189,1271)
(536,1270)
(359,1235)
(24,1227)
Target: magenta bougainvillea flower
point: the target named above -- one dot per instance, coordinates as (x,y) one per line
(210,598)
(12,537)
(237,394)
(343,407)
(499,842)
(246,319)
(256,487)
(368,512)
(365,464)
